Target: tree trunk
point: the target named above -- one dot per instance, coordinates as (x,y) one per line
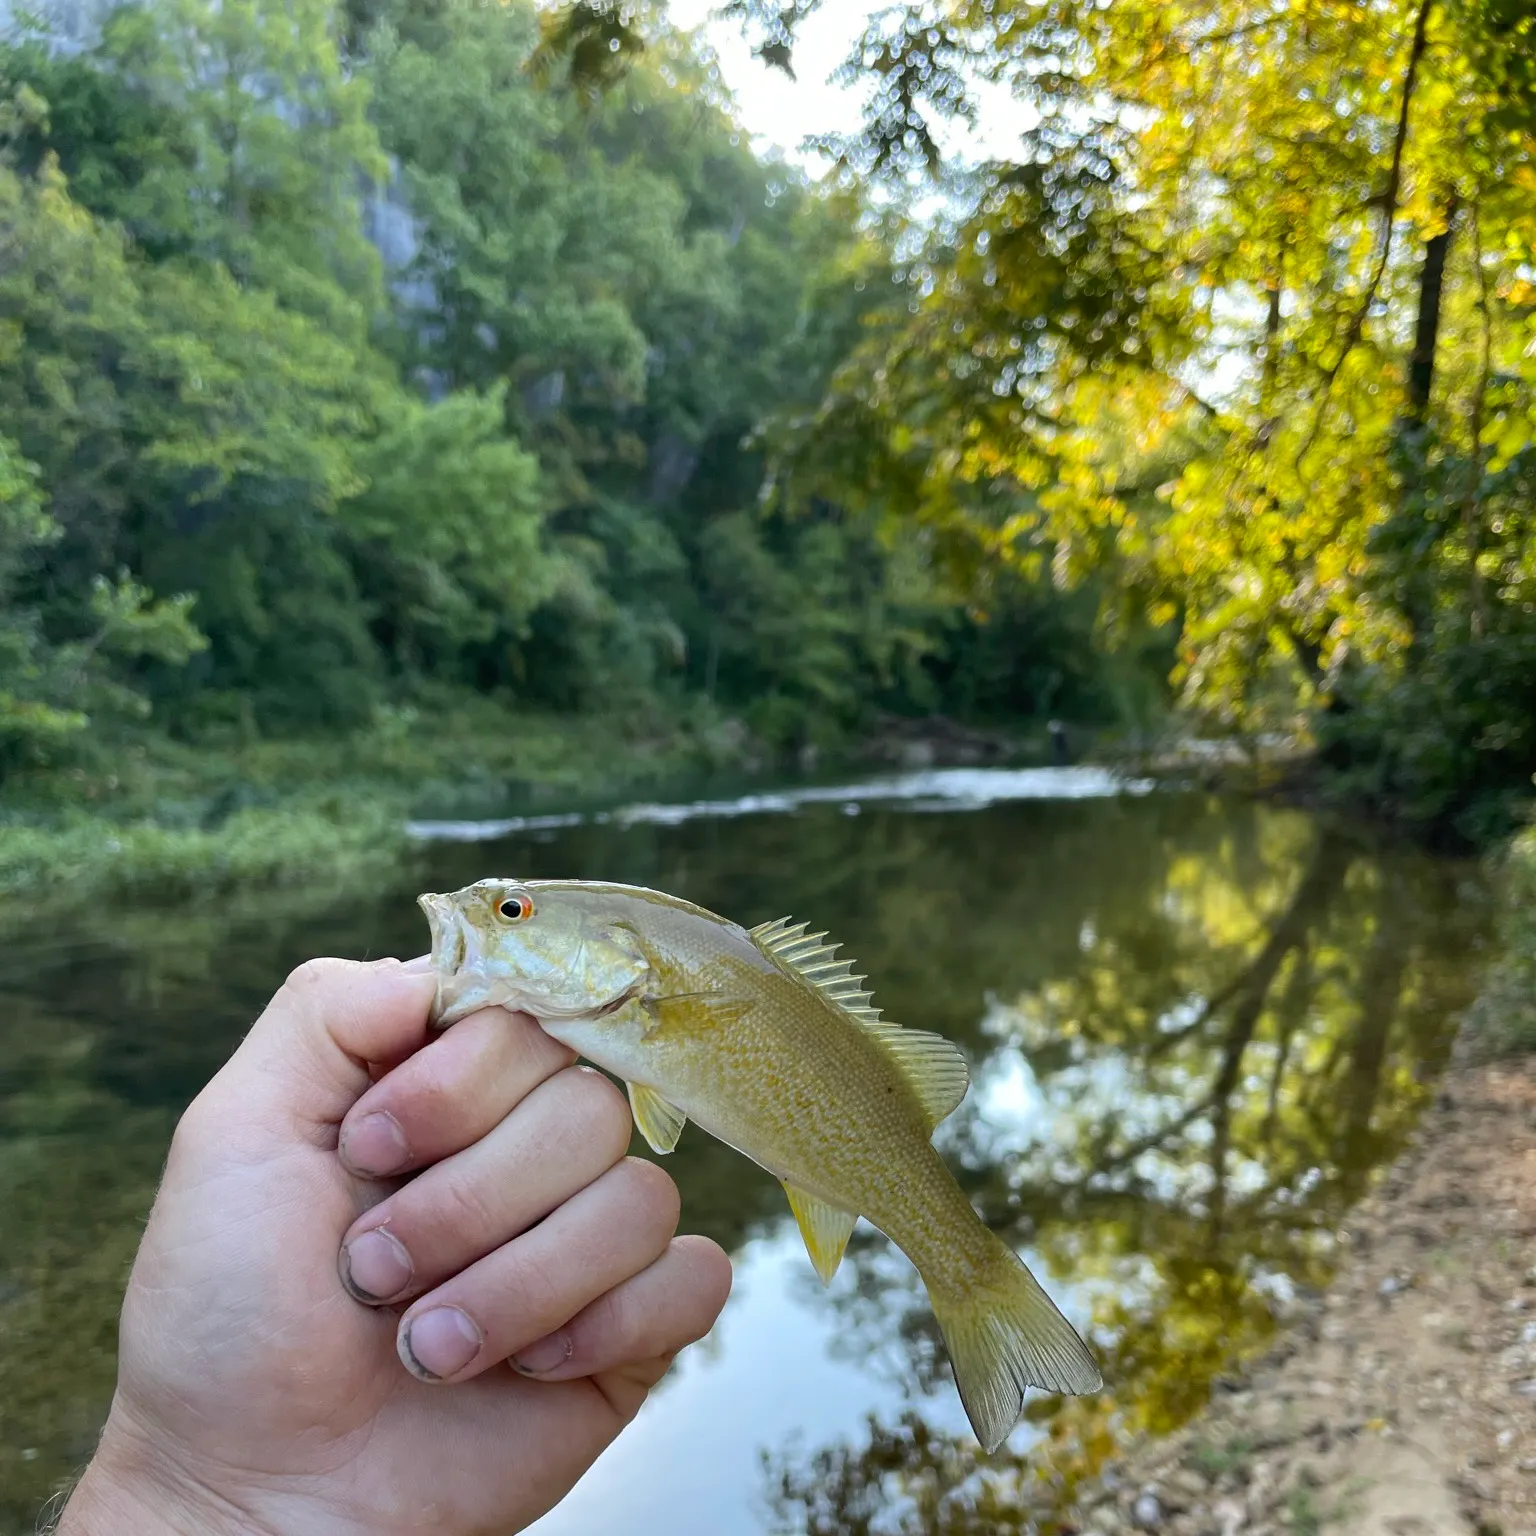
(1426,332)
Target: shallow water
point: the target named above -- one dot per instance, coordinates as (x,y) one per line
(1196,1027)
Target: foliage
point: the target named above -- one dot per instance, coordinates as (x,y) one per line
(1503,1020)
(1244,325)
(253,847)
(425,349)
(156,818)
(49,691)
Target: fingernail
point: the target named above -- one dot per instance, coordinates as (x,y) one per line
(419,965)
(547,1354)
(375,1266)
(375,1146)
(439,1343)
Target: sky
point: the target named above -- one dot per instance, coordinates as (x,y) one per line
(774,109)
(780,112)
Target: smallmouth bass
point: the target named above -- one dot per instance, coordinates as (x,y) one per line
(766,1040)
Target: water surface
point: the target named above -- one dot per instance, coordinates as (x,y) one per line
(1196,1028)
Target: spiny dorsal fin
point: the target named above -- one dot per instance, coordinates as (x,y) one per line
(787,941)
(933,1065)
(658,1121)
(824,1227)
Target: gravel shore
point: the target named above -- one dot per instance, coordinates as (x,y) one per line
(1403,1402)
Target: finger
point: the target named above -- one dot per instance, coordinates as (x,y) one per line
(305,1061)
(599,1238)
(569,1131)
(449,1094)
(626,1388)
(652,1315)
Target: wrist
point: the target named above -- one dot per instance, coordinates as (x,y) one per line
(130,1489)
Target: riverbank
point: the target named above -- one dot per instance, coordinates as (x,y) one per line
(159,819)
(1403,1400)
(153,817)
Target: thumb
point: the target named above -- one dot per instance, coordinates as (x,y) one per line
(305,1062)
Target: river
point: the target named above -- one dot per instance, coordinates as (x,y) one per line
(1196,1027)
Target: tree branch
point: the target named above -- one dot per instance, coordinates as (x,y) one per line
(1389,200)
(1471,506)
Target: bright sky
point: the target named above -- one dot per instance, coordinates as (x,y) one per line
(779,111)
(775,109)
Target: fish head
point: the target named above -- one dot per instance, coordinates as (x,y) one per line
(530,948)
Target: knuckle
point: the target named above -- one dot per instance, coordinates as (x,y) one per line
(600,1105)
(541,1293)
(316,975)
(626,1331)
(427,1091)
(460,1206)
(707,1274)
(651,1192)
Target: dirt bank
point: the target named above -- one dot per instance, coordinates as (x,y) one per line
(1404,1402)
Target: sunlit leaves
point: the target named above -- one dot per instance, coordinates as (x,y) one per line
(596,41)
(1216,246)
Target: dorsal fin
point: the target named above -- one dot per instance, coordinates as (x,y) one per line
(933,1065)
(787,941)
(930,1063)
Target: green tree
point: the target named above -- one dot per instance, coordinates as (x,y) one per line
(1245,323)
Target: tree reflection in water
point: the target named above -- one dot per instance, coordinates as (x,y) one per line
(1172,1129)
(1207,1024)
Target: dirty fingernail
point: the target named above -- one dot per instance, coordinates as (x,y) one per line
(375,1266)
(375,1146)
(547,1354)
(439,1343)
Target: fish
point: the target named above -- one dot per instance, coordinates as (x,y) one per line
(769,1043)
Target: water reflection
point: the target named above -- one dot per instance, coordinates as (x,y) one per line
(1196,1029)
(1175,1123)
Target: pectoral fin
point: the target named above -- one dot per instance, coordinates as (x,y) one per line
(696,1011)
(826,1230)
(658,1121)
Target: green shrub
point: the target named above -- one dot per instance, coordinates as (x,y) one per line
(1504,1016)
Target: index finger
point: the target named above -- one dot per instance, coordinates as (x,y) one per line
(449,1094)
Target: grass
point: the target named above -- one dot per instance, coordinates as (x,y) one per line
(1303,1518)
(1503,1020)
(1214,1461)
(142,858)
(152,818)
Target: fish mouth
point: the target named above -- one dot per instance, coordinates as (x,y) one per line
(448,939)
(449,946)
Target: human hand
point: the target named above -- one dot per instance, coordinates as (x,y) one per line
(255,1395)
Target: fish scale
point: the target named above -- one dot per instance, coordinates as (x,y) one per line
(765,1040)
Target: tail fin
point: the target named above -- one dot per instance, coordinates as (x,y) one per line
(1004,1334)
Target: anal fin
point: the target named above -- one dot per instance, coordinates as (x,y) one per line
(825,1228)
(658,1121)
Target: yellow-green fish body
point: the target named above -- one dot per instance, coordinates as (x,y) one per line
(766,1041)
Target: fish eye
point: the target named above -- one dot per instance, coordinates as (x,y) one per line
(516,909)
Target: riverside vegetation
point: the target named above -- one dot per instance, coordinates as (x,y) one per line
(293,537)
(427,403)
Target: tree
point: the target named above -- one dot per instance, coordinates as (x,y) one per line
(49,691)
(1214,331)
